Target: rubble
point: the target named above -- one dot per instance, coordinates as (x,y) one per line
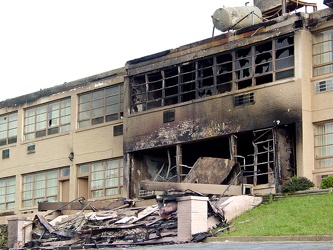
(127,226)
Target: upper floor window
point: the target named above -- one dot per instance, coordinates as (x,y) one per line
(48,119)
(7,193)
(323,52)
(242,68)
(101,106)
(8,129)
(324,145)
(105,177)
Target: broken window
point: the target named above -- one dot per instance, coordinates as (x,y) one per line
(224,72)
(105,178)
(323,52)
(239,69)
(7,193)
(101,106)
(47,119)
(8,129)
(40,186)
(324,145)
(284,58)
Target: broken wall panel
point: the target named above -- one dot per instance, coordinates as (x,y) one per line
(214,117)
(208,170)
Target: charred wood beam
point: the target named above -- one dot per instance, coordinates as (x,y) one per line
(61,206)
(200,188)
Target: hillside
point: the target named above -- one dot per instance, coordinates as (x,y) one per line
(305,215)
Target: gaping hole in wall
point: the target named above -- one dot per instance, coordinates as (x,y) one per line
(265,156)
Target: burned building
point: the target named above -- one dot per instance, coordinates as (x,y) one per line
(247,95)
(250,107)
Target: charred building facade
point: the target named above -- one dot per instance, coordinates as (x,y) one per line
(246,95)
(249,107)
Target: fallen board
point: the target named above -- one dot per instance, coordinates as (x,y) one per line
(200,188)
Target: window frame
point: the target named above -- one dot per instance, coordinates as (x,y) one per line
(325,64)
(100,106)
(6,200)
(51,121)
(36,183)
(215,74)
(90,173)
(7,127)
(323,159)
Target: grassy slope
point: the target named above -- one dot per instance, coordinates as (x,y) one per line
(307,215)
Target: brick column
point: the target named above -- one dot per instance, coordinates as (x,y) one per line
(19,231)
(192,216)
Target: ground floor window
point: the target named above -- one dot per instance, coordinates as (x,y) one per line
(105,178)
(7,193)
(324,145)
(42,186)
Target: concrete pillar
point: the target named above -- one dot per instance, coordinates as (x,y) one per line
(192,216)
(19,231)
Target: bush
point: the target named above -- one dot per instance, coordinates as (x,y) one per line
(327,182)
(3,235)
(296,184)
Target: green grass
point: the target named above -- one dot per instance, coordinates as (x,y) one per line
(306,215)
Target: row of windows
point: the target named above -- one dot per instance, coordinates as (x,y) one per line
(105,179)
(250,66)
(52,118)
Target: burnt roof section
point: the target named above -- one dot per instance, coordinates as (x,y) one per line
(132,63)
(149,57)
(32,97)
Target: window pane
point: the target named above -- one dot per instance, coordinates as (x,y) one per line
(41,109)
(97,112)
(97,103)
(84,169)
(65,103)
(40,184)
(98,94)
(97,167)
(85,98)
(65,111)
(84,124)
(97,184)
(64,128)
(112,109)
(65,172)
(84,115)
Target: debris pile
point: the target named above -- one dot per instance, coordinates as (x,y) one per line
(122,226)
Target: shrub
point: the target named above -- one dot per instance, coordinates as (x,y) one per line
(296,184)
(3,235)
(327,182)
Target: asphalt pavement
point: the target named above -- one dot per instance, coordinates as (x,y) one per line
(228,245)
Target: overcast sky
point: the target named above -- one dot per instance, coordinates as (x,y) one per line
(48,42)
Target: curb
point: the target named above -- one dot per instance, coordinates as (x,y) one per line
(270,238)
